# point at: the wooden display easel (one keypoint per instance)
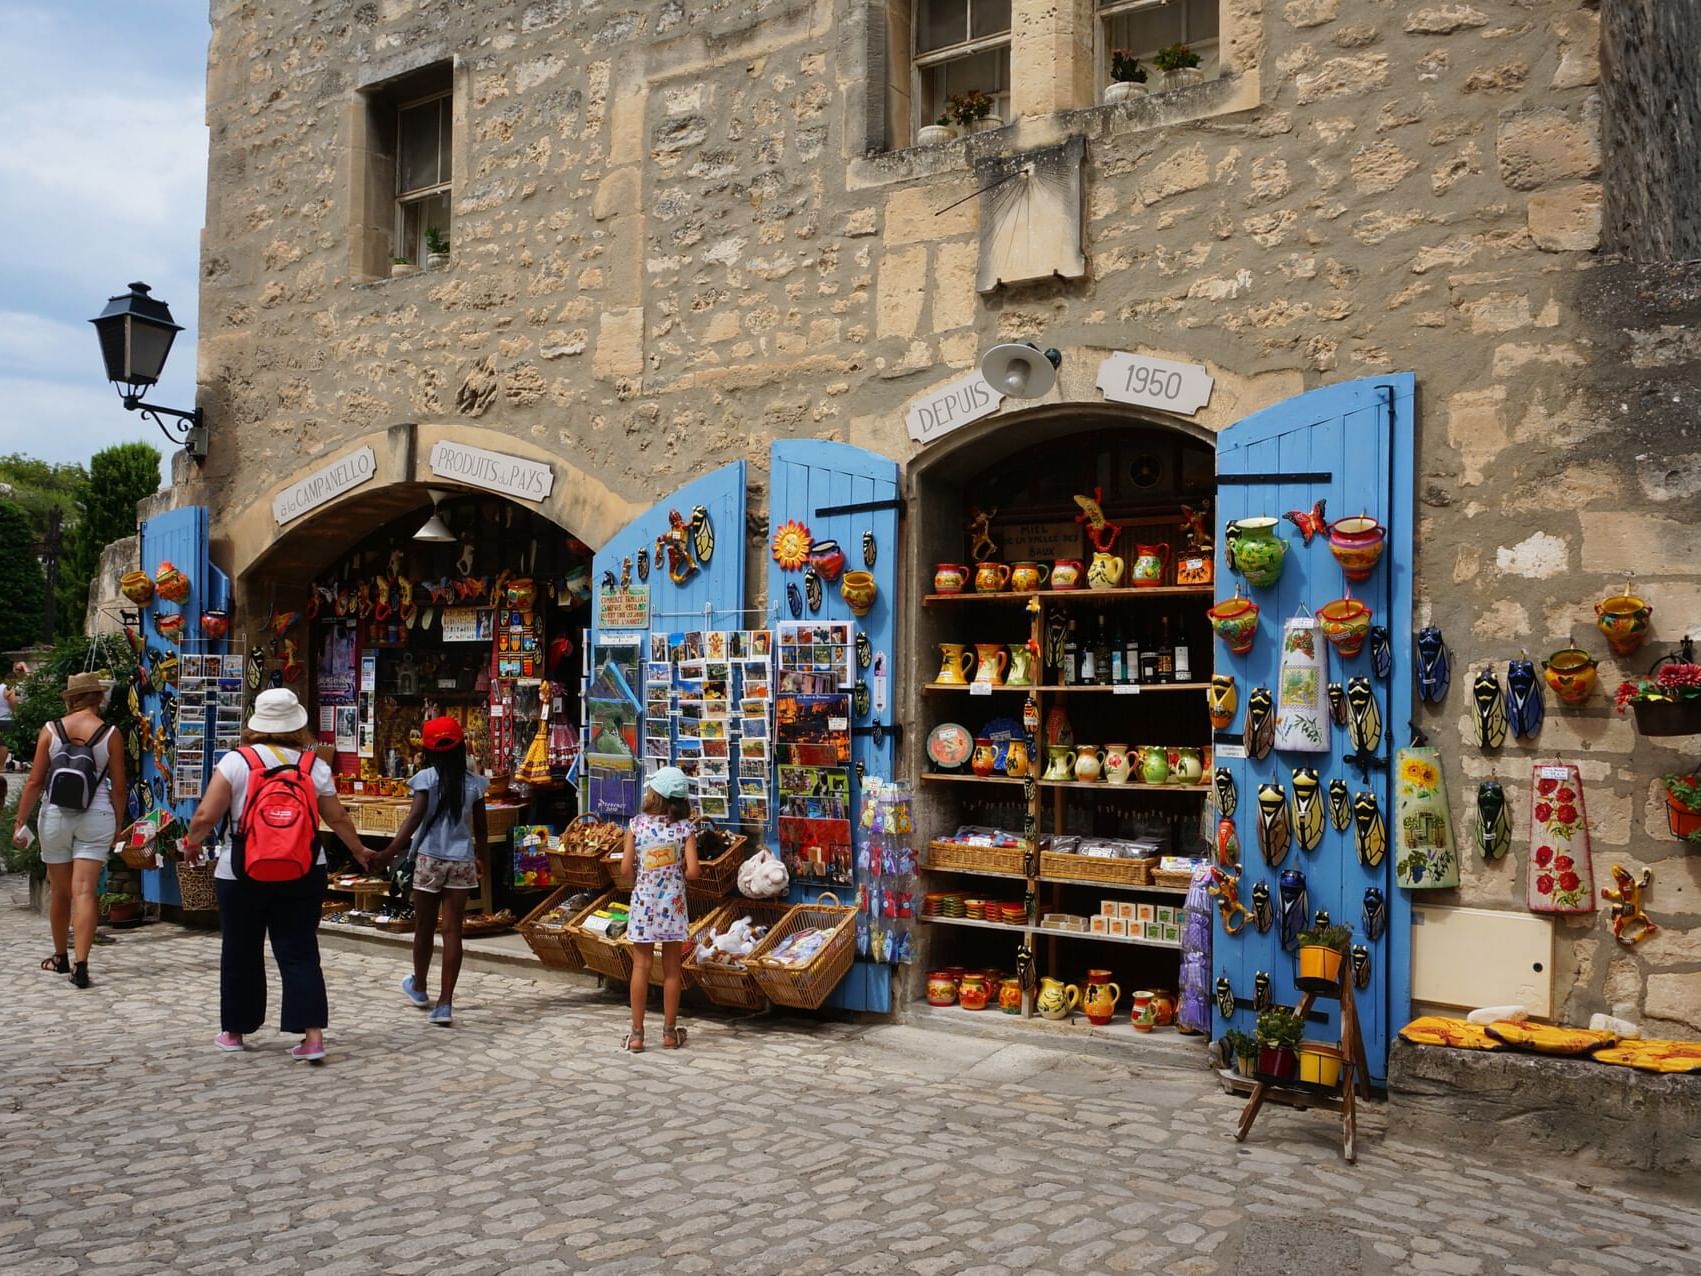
(1353, 1077)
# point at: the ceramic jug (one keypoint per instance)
(1060, 759)
(1118, 766)
(1021, 665)
(949, 578)
(1357, 544)
(1151, 565)
(1027, 577)
(955, 661)
(991, 578)
(1235, 621)
(1255, 551)
(1623, 621)
(1016, 759)
(991, 661)
(1056, 999)
(1139, 1009)
(1571, 674)
(1066, 573)
(941, 988)
(1187, 767)
(1105, 571)
(1099, 997)
(972, 992)
(1345, 622)
(1154, 765)
(1010, 996)
(984, 760)
(1087, 765)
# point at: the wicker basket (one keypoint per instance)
(381, 818)
(195, 885)
(607, 957)
(552, 945)
(1095, 870)
(734, 986)
(717, 877)
(658, 977)
(611, 870)
(577, 860)
(806, 987)
(396, 925)
(137, 857)
(1174, 879)
(963, 858)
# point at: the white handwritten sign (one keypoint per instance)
(951, 407)
(493, 471)
(1182, 388)
(341, 475)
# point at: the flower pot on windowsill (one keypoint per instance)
(400, 268)
(1667, 717)
(1183, 78)
(935, 135)
(1122, 91)
(987, 124)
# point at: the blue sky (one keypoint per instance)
(102, 180)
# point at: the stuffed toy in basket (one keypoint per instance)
(763, 877)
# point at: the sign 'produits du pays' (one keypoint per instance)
(327, 483)
(951, 407)
(493, 471)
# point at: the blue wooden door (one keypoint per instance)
(1350, 446)
(711, 597)
(843, 493)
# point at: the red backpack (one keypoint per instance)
(275, 838)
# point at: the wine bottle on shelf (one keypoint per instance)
(1071, 657)
(1166, 653)
(1131, 655)
(1148, 657)
(1183, 653)
(1101, 654)
(1118, 663)
(1088, 672)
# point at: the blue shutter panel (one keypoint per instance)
(1350, 445)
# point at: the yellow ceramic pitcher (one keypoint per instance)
(1056, 999)
(955, 661)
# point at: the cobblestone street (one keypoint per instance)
(523, 1141)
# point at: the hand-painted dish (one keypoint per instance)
(949, 744)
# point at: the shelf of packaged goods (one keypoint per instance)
(1053, 933)
(1086, 595)
(1196, 790)
(1060, 881)
(1124, 689)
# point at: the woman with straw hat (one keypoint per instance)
(276, 739)
(78, 767)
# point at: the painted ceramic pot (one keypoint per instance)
(991, 578)
(1623, 619)
(1060, 760)
(827, 559)
(1010, 996)
(1255, 551)
(1357, 544)
(1027, 577)
(1345, 622)
(941, 988)
(1139, 1009)
(170, 583)
(1118, 766)
(949, 578)
(137, 588)
(972, 992)
(1056, 999)
(1186, 767)
(1021, 665)
(1099, 997)
(1017, 761)
(1221, 700)
(955, 661)
(1571, 674)
(1161, 1009)
(991, 661)
(984, 761)
(1235, 621)
(1154, 765)
(1105, 571)
(170, 627)
(1066, 573)
(858, 590)
(1150, 567)
(1087, 764)
(215, 624)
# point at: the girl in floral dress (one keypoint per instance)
(663, 846)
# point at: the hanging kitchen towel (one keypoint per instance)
(1302, 723)
(1425, 857)
(1561, 879)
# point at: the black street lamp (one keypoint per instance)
(136, 332)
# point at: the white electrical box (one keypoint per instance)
(1470, 957)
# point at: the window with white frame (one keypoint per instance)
(1142, 27)
(961, 46)
(423, 175)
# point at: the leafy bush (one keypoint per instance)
(1280, 1027)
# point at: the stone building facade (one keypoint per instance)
(680, 230)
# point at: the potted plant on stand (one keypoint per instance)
(1320, 1064)
(1278, 1033)
(1243, 1049)
(1666, 701)
(1127, 77)
(972, 112)
(1180, 66)
(120, 907)
(941, 130)
(1683, 806)
(436, 249)
(1322, 950)
(400, 266)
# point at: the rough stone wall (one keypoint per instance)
(670, 247)
(1652, 128)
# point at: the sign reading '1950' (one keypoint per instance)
(493, 471)
(1182, 388)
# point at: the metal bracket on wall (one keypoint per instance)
(1270, 480)
(880, 731)
(861, 507)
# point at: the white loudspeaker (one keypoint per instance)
(1020, 369)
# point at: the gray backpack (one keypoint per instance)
(73, 773)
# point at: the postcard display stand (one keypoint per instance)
(708, 696)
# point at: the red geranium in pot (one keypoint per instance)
(1666, 701)
(1683, 806)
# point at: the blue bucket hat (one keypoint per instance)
(670, 782)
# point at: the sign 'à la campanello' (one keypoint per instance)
(324, 484)
(493, 471)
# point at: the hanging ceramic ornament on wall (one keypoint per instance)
(1361, 966)
(794, 601)
(1375, 915)
(1263, 911)
(1381, 651)
(1370, 833)
(1228, 845)
(1340, 805)
(1299, 717)
(702, 535)
(1273, 831)
(1489, 709)
(1434, 666)
(812, 589)
(1263, 996)
(1425, 858)
(1228, 797)
(1221, 700)
(1561, 878)
(1225, 997)
(1524, 707)
(1260, 731)
(870, 550)
(1308, 819)
(1295, 906)
(1364, 719)
(1494, 824)
(1337, 704)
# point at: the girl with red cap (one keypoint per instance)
(445, 827)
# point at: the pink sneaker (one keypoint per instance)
(231, 1041)
(307, 1053)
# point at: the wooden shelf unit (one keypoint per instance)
(1008, 596)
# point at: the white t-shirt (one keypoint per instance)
(235, 770)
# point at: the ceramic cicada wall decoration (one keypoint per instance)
(1263, 911)
(1494, 823)
(1488, 705)
(1370, 832)
(1340, 805)
(1295, 906)
(1308, 820)
(1274, 834)
(1434, 666)
(1524, 708)
(1364, 721)
(1260, 730)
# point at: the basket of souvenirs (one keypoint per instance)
(719, 962)
(547, 929)
(577, 859)
(803, 958)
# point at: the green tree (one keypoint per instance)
(23, 589)
(40, 488)
(119, 476)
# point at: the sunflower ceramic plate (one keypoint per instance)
(1547, 1039)
(1437, 1030)
(949, 744)
(1654, 1056)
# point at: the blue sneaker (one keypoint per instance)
(413, 994)
(442, 1016)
